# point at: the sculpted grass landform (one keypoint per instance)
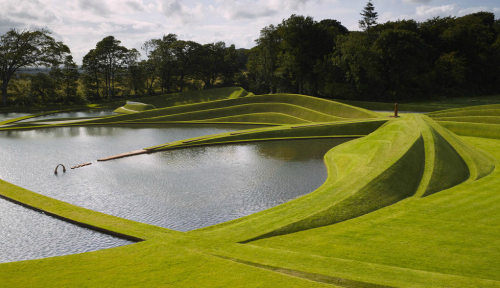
(411, 202)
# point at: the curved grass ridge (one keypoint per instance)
(408, 157)
(265, 117)
(198, 96)
(134, 107)
(349, 129)
(364, 175)
(306, 108)
(476, 121)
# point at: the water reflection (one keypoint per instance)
(180, 189)
(26, 234)
(74, 114)
(11, 115)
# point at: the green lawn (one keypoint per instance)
(407, 203)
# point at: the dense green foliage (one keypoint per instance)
(403, 60)
(27, 48)
(394, 61)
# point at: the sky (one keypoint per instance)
(80, 24)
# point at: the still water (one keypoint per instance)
(181, 189)
(74, 114)
(7, 116)
(27, 234)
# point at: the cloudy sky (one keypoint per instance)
(80, 24)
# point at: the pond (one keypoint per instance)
(181, 189)
(74, 114)
(27, 234)
(11, 115)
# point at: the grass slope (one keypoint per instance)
(409, 205)
(349, 129)
(453, 232)
(134, 107)
(476, 121)
(183, 98)
(309, 109)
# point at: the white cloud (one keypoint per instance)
(433, 11)
(248, 9)
(176, 10)
(417, 1)
(471, 10)
(95, 6)
(28, 11)
(107, 28)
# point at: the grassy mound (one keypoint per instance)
(267, 118)
(307, 108)
(475, 121)
(192, 97)
(482, 110)
(411, 156)
(349, 129)
(362, 178)
(295, 111)
(410, 204)
(390, 106)
(134, 107)
(473, 129)
(471, 119)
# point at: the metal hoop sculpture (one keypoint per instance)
(64, 168)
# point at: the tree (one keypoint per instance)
(69, 78)
(210, 58)
(230, 67)
(43, 88)
(111, 55)
(358, 65)
(27, 48)
(134, 72)
(405, 64)
(270, 41)
(91, 78)
(369, 17)
(184, 61)
(301, 48)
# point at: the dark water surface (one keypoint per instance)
(181, 189)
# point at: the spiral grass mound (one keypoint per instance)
(408, 202)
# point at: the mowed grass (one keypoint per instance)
(191, 97)
(297, 108)
(453, 232)
(406, 204)
(476, 121)
(134, 107)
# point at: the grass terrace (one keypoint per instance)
(409, 202)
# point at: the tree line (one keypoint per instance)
(393, 61)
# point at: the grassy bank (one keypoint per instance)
(406, 204)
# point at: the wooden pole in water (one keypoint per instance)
(64, 168)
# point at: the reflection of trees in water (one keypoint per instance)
(103, 131)
(290, 150)
(298, 150)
